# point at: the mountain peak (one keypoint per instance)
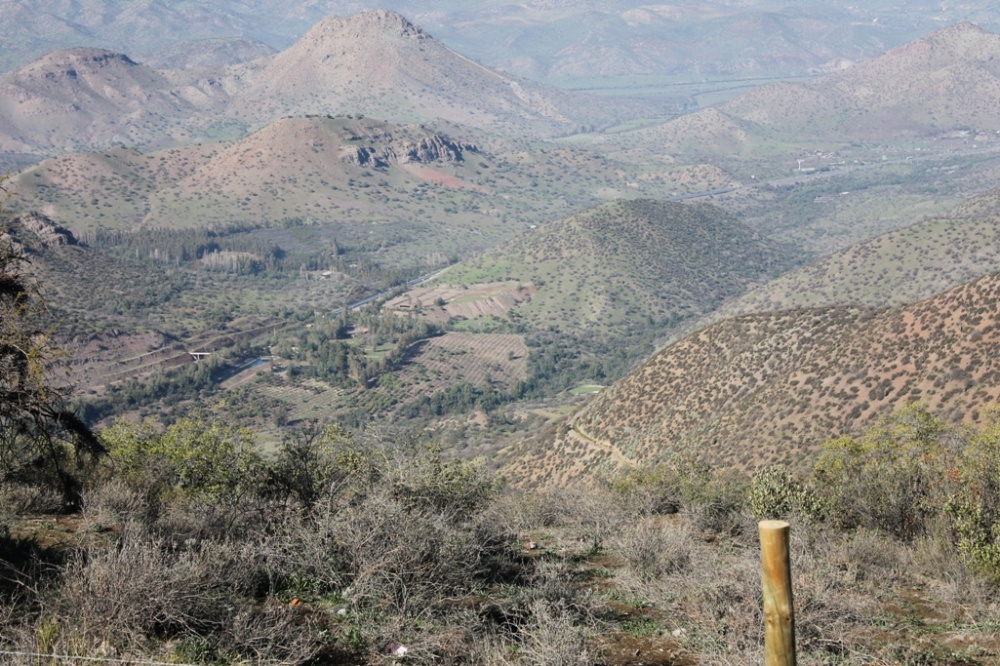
(368, 23)
(965, 40)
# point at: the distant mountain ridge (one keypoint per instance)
(86, 97)
(374, 63)
(945, 82)
(543, 40)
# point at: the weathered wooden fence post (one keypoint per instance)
(779, 616)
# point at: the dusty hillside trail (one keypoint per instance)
(615, 454)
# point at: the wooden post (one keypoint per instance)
(779, 616)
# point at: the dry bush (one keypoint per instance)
(403, 559)
(524, 511)
(554, 636)
(115, 503)
(144, 586)
(654, 548)
(594, 513)
(18, 499)
(722, 614)
(219, 518)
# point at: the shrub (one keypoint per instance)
(776, 492)
(975, 507)
(193, 457)
(127, 593)
(894, 478)
(653, 552)
(651, 489)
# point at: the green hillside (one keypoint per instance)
(629, 264)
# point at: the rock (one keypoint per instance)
(47, 231)
(382, 151)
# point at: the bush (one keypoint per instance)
(975, 507)
(191, 457)
(776, 492)
(126, 593)
(894, 478)
(653, 552)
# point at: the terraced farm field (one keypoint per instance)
(467, 357)
(442, 302)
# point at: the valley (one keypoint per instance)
(550, 285)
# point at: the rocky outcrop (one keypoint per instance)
(380, 152)
(48, 232)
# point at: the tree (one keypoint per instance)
(41, 441)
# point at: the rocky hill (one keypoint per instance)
(378, 63)
(295, 168)
(771, 387)
(91, 97)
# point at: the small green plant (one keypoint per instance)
(195, 650)
(47, 634)
(894, 478)
(975, 507)
(641, 627)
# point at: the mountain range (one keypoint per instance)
(943, 85)
(580, 41)
(374, 63)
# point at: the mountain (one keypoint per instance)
(936, 86)
(208, 53)
(572, 42)
(771, 387)
(899, 267)
(303, 168)
(629, 263)
(86, 97)
(407, 189)
(378, 63)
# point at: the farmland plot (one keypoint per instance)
(467, 357)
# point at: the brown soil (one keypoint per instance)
(620, 649)
(477, 300)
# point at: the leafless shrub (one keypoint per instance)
(522, 512)
(215, 518)
(593, 512)
(22, 498)
(143, 586)
(402, 558)
(653, 549)
(115, 503)
(555, 637)
(269, 633)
